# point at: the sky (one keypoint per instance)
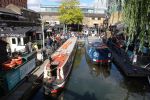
(35, 4)
(56, 2)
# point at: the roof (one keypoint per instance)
(14, 8)
(5, 10)
(94, 15)
(18, 9)
(17, 31)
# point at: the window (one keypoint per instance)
(13, 41)
(19, 41)
(25, 40)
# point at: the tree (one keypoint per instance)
(136, 17)
(70, 13)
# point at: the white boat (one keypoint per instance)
(56, 72)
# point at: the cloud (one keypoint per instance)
(34, 5)
(83, 4)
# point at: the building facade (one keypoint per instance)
(20, 3)
(92, 16)
(115, 11)
(18, 26)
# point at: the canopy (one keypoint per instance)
(14, 32)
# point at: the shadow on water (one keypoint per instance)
(136, 85)
(97, 69)
(76, 96)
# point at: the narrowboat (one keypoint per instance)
(133, 61)
(97, 51)
(56, 71)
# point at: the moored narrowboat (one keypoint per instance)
(97, 51)
(56, 72)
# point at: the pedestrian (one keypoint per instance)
(27, 48)
(9, 51)
(30, 46)
(35, 47)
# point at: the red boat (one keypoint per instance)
(57, 70)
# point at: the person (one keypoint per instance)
(48, 41)
(35, 47)
(50, 59)
(26, 48)
(9, 50)
(30, 46)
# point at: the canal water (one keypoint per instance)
(91, 82)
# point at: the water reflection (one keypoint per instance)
(136, 85)
(100, 82)
(76, 96)
(96, 70)
(78, 57)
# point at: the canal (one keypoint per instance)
(91, 82)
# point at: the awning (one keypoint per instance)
(14, 32)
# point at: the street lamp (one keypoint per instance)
(43, 35)
(43, 39)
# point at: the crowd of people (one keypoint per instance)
(53, 42)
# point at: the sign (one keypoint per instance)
(27, 68)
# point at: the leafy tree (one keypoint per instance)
(136, 17)
(70, 13)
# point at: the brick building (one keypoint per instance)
(20, 3)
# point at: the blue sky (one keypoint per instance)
(35, 4)
(56, 2)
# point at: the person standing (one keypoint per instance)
(9, 51)
(30, 46)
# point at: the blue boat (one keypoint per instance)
(97, 51)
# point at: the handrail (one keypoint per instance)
(147, 66)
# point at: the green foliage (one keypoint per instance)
(136, 18)
(70, 13)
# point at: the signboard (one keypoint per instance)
(27, 68)
(12, 78)
(15, 76)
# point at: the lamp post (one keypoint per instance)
(43, 35)
(43, 39)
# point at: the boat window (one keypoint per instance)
(91, 50)
(19, 41)
(25, 40)
(54, 68)
(13, 41)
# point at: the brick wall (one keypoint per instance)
(20, 3)
(115, 18)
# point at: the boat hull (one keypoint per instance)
(59, 87)
(99, 54)
(122, 61)
(98, 61)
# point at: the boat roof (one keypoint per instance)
(62, 54)
(96, 43)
